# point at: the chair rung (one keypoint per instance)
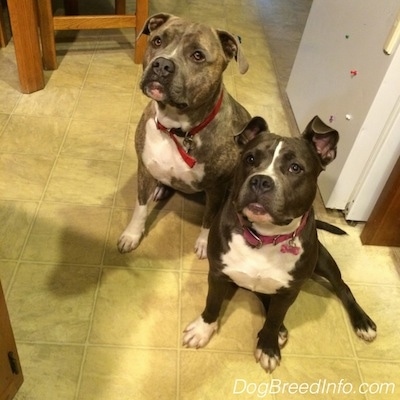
(94, 22)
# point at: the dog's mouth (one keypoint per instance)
(156, 91)
(256, 212)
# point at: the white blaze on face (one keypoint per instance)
(271, 169)
(271, 172)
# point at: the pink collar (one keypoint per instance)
(256, 240)
(188, 136)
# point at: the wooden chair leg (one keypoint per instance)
(47, 34)
(3, 33)
(26, 43)
(120, 7)
(142, 11)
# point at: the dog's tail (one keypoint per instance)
(330, 228)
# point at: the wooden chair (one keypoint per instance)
(50, 23)
(3, 33)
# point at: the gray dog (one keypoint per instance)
(184, 139)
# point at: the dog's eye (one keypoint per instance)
(156, 41)
(250, 159)
(295, 168)
(198, 56)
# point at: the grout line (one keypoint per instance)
(89, 330)
(180, 329)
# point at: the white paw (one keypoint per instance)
(132, 234)
(267, 362)
(198, 333)
(368, 335)
(200, 246)
(128, 242)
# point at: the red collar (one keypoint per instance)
(188, 136)
(256, 240)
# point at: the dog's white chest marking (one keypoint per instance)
(162, 159)
(263, 270)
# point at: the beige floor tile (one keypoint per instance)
(130, 152)
(101, 104)
(320, 378)
(352, 258)
(10, 92)
(121, 41)
(7, 269)
(160, 247)
(89, 182)
(28, 174)
(3, 120)
(100, 140)
(217, 375)
(73, 44)
(115, 68)
(51, 101)
(9, 96)
(126, 374)
(381, 379)
(139, 102)
(267, 91)
(65, 233)
(127, 185)
(72, 70)
(316, 324)
(136, 308)
(276, 119)
(191, 229)
(16, 218)
(50, 371)
(51, 303)
(382, 303)
(190, 261)
(33, 135)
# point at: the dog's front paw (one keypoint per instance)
(200, 246)
(366, 329)
(198, 333)
(128, 242)
(269, 359)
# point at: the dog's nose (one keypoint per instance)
(261, 183)
(163, 67)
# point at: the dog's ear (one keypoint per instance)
(154, 22)
(232, 49)
(323, 138)
(252, 129)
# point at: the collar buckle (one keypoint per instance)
(275, 240)
(259, 242)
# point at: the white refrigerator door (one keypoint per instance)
(338, 72)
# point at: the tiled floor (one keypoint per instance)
(93, 324)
